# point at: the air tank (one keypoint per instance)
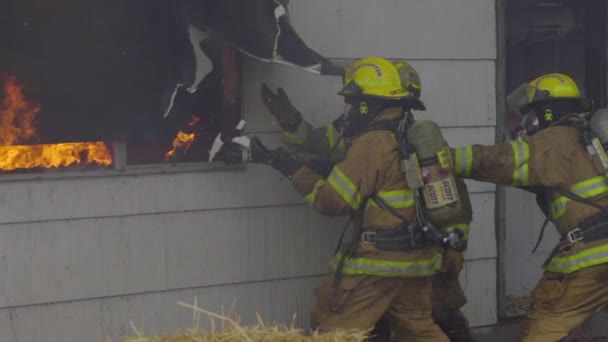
(599, 125)
(597, 141)
(445, 197)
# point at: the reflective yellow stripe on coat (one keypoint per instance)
(521, 168)
(332, 135)
(586, 189)
(463, 161)
(342, 185)
(397, 199)
(299, 136)
(386, 268)
(310, 198)
(575, 262)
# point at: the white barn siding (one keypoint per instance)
(89, 254)
(80, 257)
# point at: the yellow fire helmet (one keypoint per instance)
(549, 87)
(380, 78)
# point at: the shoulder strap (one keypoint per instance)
(540, 235)
(358, 220)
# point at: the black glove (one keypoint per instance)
(321, 167)
(280, 159)
(259, 153)
(233, 153)
(281, 108)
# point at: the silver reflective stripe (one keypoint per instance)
(559, 209)
(521, 159)
(586, 189)
(461, 160)
(578, 262)
(344, 187)
(594, 186)
(398, 198)
(385, 268)
(463, 163)
(410, 271)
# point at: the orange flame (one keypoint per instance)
(183, 140)
(17, 126)
(17, 115)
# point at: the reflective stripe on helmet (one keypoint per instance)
(299, 136)
(575, 262)
(397, 199)
(463, 161)
(389, 268)
(521, 168)
(586, 189)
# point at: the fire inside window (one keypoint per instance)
(18, 137)
(189, 132)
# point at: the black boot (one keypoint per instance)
(455, 325)
(382, 331)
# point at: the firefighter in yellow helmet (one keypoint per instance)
(553, 160)
(310, 143)
(388, 266)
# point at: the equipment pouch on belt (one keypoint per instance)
(403, 237)
(420, 233)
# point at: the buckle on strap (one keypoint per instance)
(368, 237)
(575, 235)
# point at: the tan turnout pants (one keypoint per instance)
(447, 292)
(360, 301)
(562, 302)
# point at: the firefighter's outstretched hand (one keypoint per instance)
(280, 159)
(259, 153)
(281, 108)
(233, 153)
(321, 166)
